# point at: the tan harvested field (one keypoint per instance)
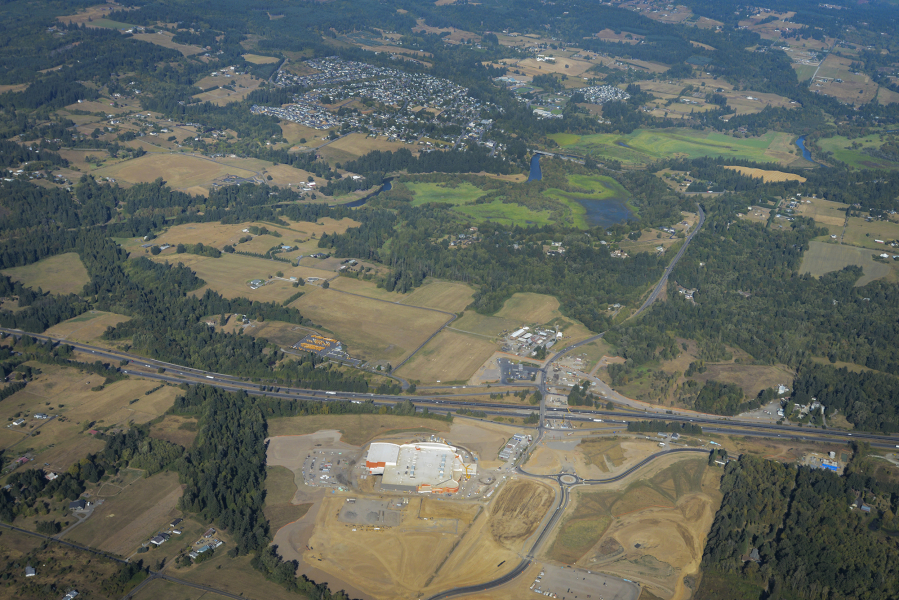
(294, 133)
(260, 60)
(370, 329)
(862, 233)
(160, 588)
(885, 96)
(440, 295)
(752, 378)
(91, 13)
(767, 176)
(825, 212)
(526, 309)
(235, 576)
(455, 35)
(87, 327)
(301, 234)
(451, 356)
(122, 522)
(176, 429)
(652, 531)
(60, 274)
(242, 84)
(230, 275)
(15, 87)
(824, 258)
(67, 392)
(355, 430)
(180, 170)
(357, 144)
(531, 67)
(164, 39)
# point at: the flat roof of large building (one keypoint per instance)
(422, 466)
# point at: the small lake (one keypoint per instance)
(600, 212)
(800, 143)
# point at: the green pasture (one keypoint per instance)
(857, 158)
(505, 214)
(644, 146)
(462, 193)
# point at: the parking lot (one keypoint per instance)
(327, 468)
(512, 373)
(566, 583)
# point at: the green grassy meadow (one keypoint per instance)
(463, 193)
(505, 214)
(856, 158)
(644, 146)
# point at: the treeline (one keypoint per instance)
(867, 399)
(13, 154)
(809, 546)
(665, 426)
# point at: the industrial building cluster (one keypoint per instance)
(432, 467)
(524, 341)
(430, 101)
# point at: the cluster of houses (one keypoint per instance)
(208, 543)
(431, 98)
(600, 94)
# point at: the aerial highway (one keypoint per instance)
(139, 366)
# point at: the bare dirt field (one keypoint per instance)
(768, 176)
(260, 60)
(451, 356)
(485, 439)
(60, 274)
(121, 523)
(517, 511)
(589, 457)
(87, 327)
(354, 430)
(652, 531)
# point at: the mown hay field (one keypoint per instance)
(766, 175)
(451, 357)
(60, 274)
(646, 145)
(824, 258)
(370, 329)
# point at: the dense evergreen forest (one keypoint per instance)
(809, 544)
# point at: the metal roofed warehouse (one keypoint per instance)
(426, 467)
